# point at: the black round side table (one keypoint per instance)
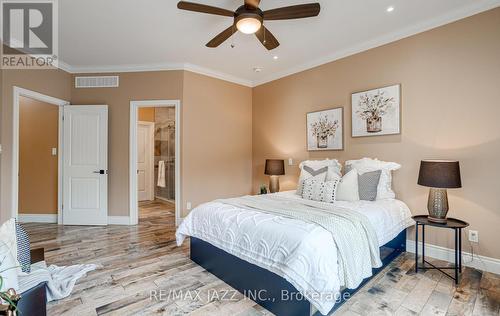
(451, 223)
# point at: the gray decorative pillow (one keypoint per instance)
(23, 248)
(367, 185)
(322, 191)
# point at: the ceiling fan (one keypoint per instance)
(249, 19)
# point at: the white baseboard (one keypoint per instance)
(118, 220)
(446, 254)
(37, 218)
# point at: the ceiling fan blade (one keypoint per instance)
(252, 3)
(221, 37)
(293, 12)
(267, 38)
(197, 7)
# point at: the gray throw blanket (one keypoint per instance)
(354, 236)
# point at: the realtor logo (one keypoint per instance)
(29, 34)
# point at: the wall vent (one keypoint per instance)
(97, 82)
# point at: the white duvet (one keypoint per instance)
(303, 253)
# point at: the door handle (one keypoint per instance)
(100, 171)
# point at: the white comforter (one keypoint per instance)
(303, 253)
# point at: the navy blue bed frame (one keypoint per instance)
(265, 287)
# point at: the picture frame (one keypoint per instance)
(376, 112)
(325, 130)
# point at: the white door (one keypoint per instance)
(85, 167)
(145, 161)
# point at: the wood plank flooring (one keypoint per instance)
(141, 264)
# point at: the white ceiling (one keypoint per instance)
(128, 35)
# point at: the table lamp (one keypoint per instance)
(274, 169)
(439, 175)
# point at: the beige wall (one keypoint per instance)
(55, 83)
(216, 139)
(146, 114)
(38, 134)
(212, 112)
(158, 85)
(450, 80)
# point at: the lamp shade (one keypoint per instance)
(275, 167)
(443, 174)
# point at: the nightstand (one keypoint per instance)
(452, 223)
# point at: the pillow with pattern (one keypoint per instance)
(367, 184)
(307, 173)
(23, 248)
(321, 191)
(384, 188)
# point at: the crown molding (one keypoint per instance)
(154, 67)
(477, 7)
(218, 75)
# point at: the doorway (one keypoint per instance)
(81, 153)
(36, 160)
(154, 159)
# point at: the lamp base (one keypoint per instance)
(437, 220)
(274, 184)
(437, 205)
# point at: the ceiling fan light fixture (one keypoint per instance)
(248, 25)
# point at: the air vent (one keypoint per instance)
(97, 82)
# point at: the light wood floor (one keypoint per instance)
(144, 258)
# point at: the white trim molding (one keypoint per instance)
(133, 199)
(37, 218)
(442, 253)
(118, 220)
(17, 93)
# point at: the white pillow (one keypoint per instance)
(384, 188)
(347, 188)
(8, 255)
(322, 191)
(334, 167)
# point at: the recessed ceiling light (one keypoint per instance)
(257, 69)
(390, 9)
(275, 57)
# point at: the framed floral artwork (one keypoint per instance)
(376, 112)
(325, 130)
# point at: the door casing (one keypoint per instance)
(17, 93)
(134, 107)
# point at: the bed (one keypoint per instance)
(287, 265)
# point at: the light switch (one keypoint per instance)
(290, 161)
(54, 151)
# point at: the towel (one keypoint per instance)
(161, 174)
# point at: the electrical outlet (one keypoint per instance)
(54, 151)
(188, 205)
(473, 236)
